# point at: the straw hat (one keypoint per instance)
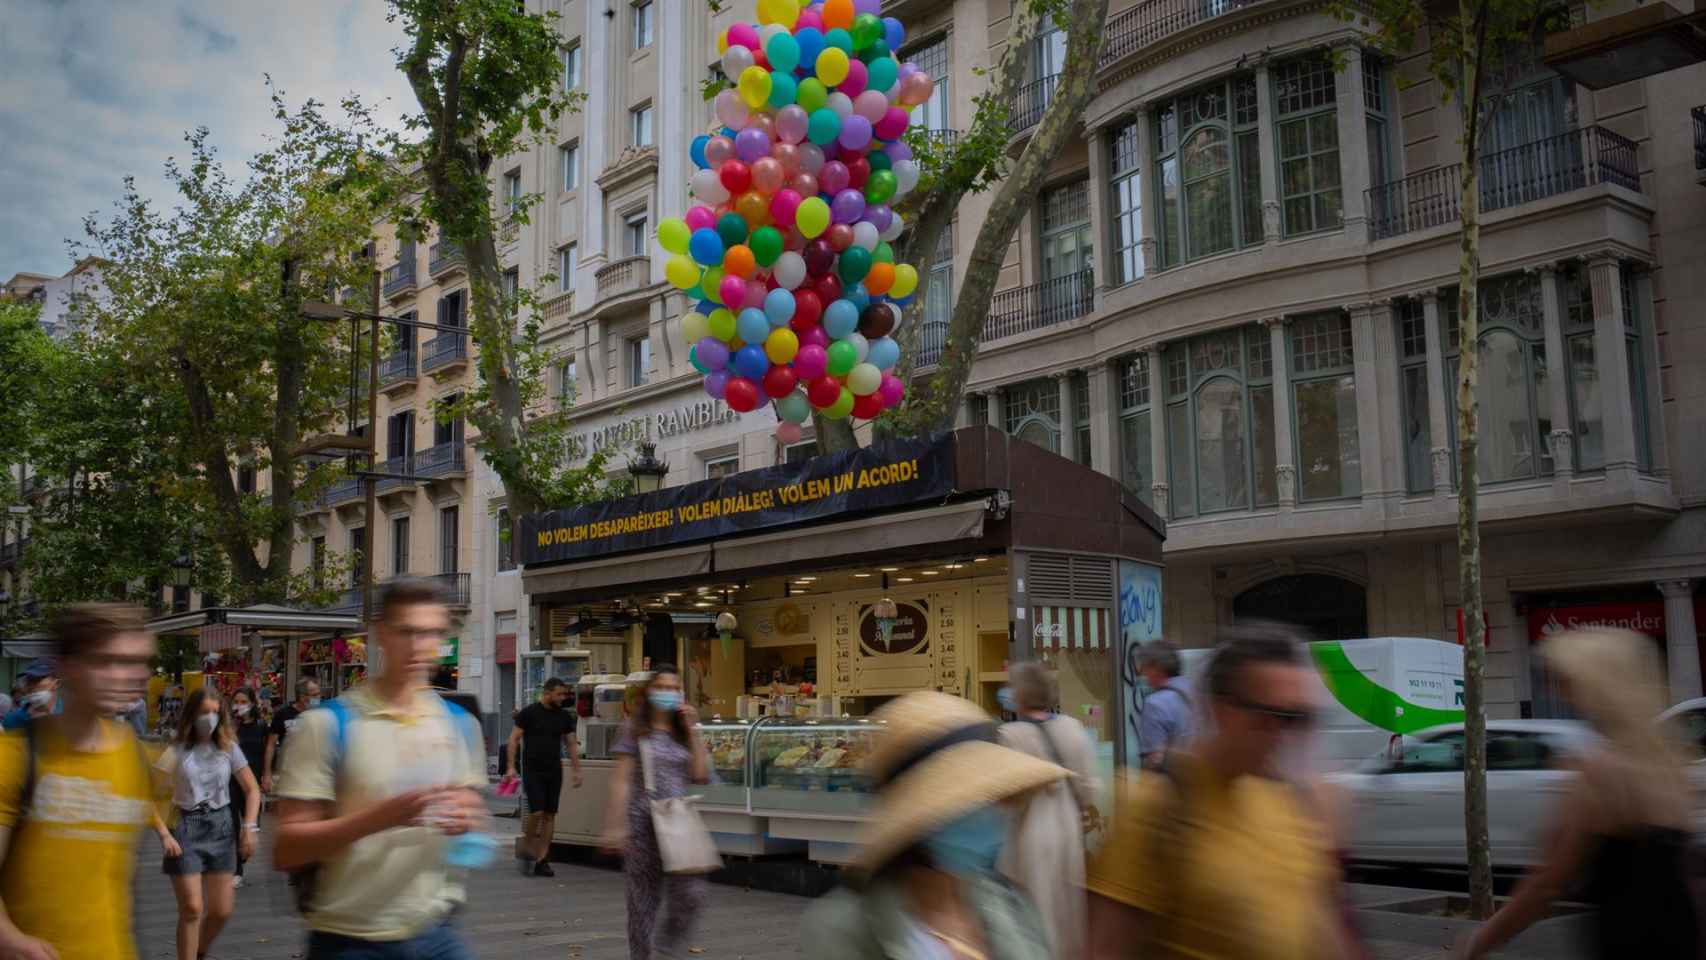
(936, 761)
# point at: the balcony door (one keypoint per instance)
(449, 527)
(1068, 251)
(1523, 153)
(400, 434)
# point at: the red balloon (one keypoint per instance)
(741, 395)
(808, 310)
(858, 171)
(867, 406)
(819, 256)
(795, 240)
(736, 177)
(823, 392)
(779, 381)
(840, 236)
(828, 288)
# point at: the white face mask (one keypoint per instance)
(39, 698)
(206, 724)
(241, 709)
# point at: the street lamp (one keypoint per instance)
(181, 568)
(648, 471)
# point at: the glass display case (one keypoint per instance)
(812, 765)
(727, 742)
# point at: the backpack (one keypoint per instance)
(303, 880)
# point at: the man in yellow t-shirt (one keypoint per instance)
(1214, 858)
(69, 821)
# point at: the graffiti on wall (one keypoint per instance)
(1140, 623)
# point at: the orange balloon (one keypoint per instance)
(739, 261)
(753, 208)
(878, 281)
(838, 13)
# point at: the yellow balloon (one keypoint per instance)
(695, 326)
(755, 87)
(722, 42)
(832, 66)
(781, 345)
(905, 280)
(784, 12)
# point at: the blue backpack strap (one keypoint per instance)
(461, 717)
(340, 733)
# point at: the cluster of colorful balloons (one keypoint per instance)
(786, 251)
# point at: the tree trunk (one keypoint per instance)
(1468, 491)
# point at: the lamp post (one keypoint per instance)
(181, 568)
(648, 471)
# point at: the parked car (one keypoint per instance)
(1691, 716)
(1407, 801)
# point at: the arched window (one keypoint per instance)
(1322, 605)
(1511, 389)
(1033, 413)
(1220, 417)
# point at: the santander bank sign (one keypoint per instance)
(1646, 617)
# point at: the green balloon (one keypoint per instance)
(884, 253)
(812, 95)
(722, 322)
(878, 48)
(855, 263)
(732, 228)
(693, 358)
(842, 358)
(794, 407)
(880, 187)
(766, 245)
(842, 406)
(879, 160)
(881, 73)
(866, 30)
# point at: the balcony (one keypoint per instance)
(400, 276)
(397, 371)
(1030, 103)
(559, 308)
(441, 461)
(347, 601)
(454, 587)
(1699, 114)
(444, 351)
(342, 493)
(32, 485)
(932, 339)
(444, 258)
(401, 464)
(1045, 304)
(1155, 20)
(1533, 171)
(623, 276)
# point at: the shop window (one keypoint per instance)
(1307, 129)
(1220, 440)
(1137, 461)
(1033, 413)
(1323, 389)
(1326, 607)
(1207, 171)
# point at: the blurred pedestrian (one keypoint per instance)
(75, 793)
(1169, 710)
(373, 789)
(1215, 856)
(1045, 853)
(284, 721)
(948, 795)
(1622, 832)
(203, 847)
(660, 743)
(40, 692)
(251, 739)
(543, 731)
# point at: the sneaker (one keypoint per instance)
(527, 865)
(543, 870)
(237, 882)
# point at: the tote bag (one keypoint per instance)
(684, 843)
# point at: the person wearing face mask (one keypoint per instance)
(663, 736)
(926, 885)
(284, 721)
(203, 848)
(39, 693)
(251, 739)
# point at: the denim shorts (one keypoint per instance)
(209, 842)
(440, 942)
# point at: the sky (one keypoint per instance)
(94, 90)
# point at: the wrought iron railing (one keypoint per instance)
(932, 339)
(440, 460)
(1039, 305)
(1522, 174)
(400, 365)
(1699, 114)
(622, 276)
(400, 276)
(344, 491)
(1154, 20)
(443, 257)
(403, 465)
(454, 587)
(1031, 102)
(443, 350)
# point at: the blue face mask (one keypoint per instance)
(1004, 697)
(970, 844)
(666, 700)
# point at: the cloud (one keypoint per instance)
(92, 91)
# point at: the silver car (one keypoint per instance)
(1407, 802)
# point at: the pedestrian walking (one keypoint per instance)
(1044, 855)
(284, 721)
(1169, 713)
(75, 793)
(1622, 832)
(203, 847)
(1215, 856)
(40, 692)
(251, 739)
(379, 798)
(660, 747)
(542, 732)
(927, 887)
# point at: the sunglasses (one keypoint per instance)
(1284, 717)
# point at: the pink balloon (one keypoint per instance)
(788, 156)
(717, 150)
(890, 391)
(811, 158)
(784, 205)
(744, 34)
(890, 127)
(806, 184)
(733, 291)
(767, 175)
(871, 105)
(812, 360)
(787, 433)
(731, 110)
(815, 337)
(857, 77)
(755, 291)
(765, 124)
(701, 218)
(916, 89)
(791, 125)
(811, 16)
(834, 177)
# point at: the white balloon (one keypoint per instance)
(905, 177)
(735, 59)
(811, 158)
(695, 327)
(790, 270)
(896, 225)
(841, 103)
(865, 235)
(861, 346)
(707, 186)
(766, 32)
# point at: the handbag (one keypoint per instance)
(684, 842)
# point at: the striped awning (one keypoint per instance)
(1069, 628)
(216, 637)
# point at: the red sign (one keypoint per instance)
(1463, 630)
(1644, 616)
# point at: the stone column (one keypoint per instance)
(595, 151)
(1101, 237)
(995, 407)
(1439, 428)
(1561, 439)
(673, 119)
(1370, 415)
(1285, 444)
(1103, 381)
(1682, 644)
(1147, 243)
(589, 379)
(1353, 139)
(1647, 323)
(963, 418)
(1270, 154)
(1611, 358)
(1157, 429)
(1068, 429)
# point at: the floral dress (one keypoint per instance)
(648, 886)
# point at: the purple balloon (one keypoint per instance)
(717, 383)
(879, 215)
(898, 151)
(872, 7)
(815, 337)
(855, 132)
(906, 69)
(713, 354)
(847, 207)
(752, 144)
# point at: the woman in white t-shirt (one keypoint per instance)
(202, 848)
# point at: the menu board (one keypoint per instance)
(948, 675)
(843, 639)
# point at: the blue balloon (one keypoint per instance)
(860, 297)
(729, 132)
(893, 33)
(705, 306)
(706, 247)
(811, 44)
(902, 301)
(884, 353)
(752, 325)
(697, 150)
(779, 306)
(750, 362)
(840, 319)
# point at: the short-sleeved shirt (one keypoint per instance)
(671, 768)
(283, 722)
(252, 737)
(390, 885)
(1169, 717)
(201, 775)
(542, 732)
(1242, 870)
(68, 869)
